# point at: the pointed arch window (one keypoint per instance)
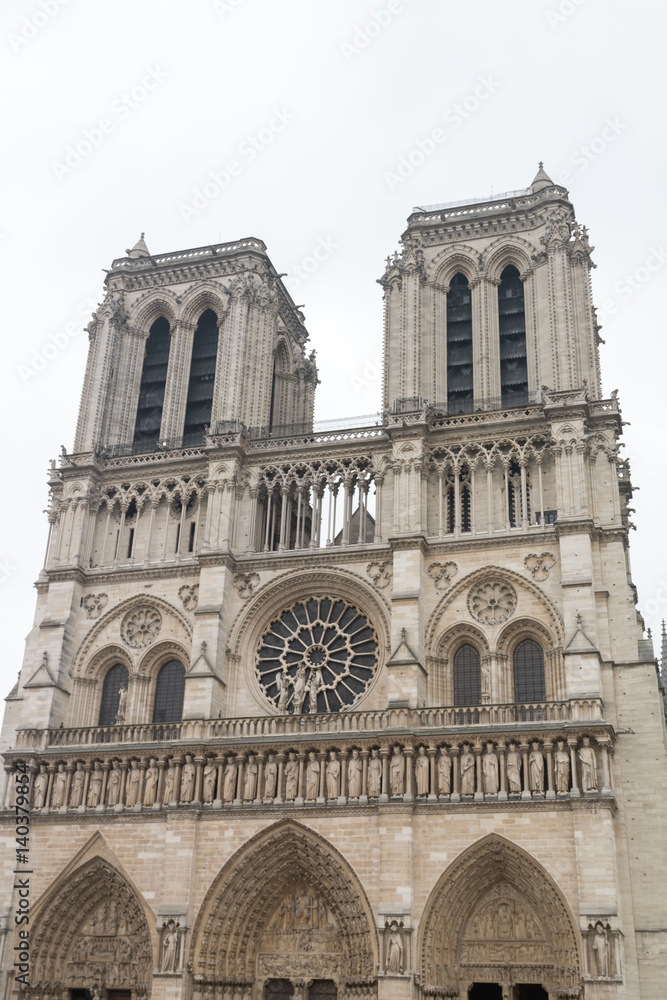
(459, 346)
(512, 326)
(151, 390)
(169, 692)
(529, 684)
(467, 676)
(115, 676)
(199, 405)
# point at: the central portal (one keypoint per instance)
(485, 991)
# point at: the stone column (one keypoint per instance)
(574, 790)
(432, 795)
(549, 747)
(502, 794)
(479, 789)
(342, 798)
(456, 775)
(526, 793)
(384, 755)
(363, 798)
(278, 801)
(299, 800)
(199, 778)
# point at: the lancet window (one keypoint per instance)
(115, 676)
(169, 692)
(528, 661)
(512, 329)
(459, 347)
(151, 390)
(202, 378)
(467, 676)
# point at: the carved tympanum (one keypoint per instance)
(302, 937)
(492, 602)
(141, 626)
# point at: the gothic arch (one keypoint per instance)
(247, 892)
(206, 295)
(453, 260)
(507, 250)
(152, 306)
(496, 915)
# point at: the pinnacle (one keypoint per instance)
(139, 249)
(541, 179)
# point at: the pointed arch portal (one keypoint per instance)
(496, 917)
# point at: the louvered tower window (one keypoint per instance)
(459, 346)
(512, 322)
(202, 378)
(529, 672)
(169, 692)
(151, 391)
(467, 676)
(116, 676)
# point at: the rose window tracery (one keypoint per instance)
(492, 602)
(318, 655)
(141, 627)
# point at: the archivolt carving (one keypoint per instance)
(251, 904)
(451, 260)
(458, 634)
(508, 250)
(497, 907)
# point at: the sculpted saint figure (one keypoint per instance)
(333, 776)
(490, 770)
(41, 785)
(562, 767)
(394, 950)
(132, 791)
(536, 768)
(270, 777)
(315, 682)
(150, 785)
(601, 950)
(586, 755)
(95, 785)
(122, 705)
(113, 784)
(312, 776)
(283, 685)
(209, 779)
(169, 784)
(250, 790)
(299, 695)
(229, 785)
(169, 948)
(397, 772)
(374, 775)
(59, 787)
(444, 773)
(467, 771)
(76, 791)
(188, 780)
(422, 771)
(291, 776)
(354, 769)
(486, 682)
(514, 768)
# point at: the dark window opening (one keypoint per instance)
(130, 543)
(116, 676)
(169, 692)
(278, 989)
(459, 347)
(151, 391)
(178, 537)
(202, 378)
(514, 494)
(323, 989)
(512, 326)
(467, 676)
(191, 543)
(485, 991)
(529, 684)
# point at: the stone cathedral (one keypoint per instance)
(346, 712)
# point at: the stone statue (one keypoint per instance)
(312, 776)
(601, 950)
(150, 786)
(291, 776)
(209, 779)
(250, 789)
(374, 775)
(394, 955)
(333, 776)
(188, 780)
(76, 791)
(95, 785)
(59, 787)
(514, 769)
(444, 773)
(270, 777)
(229, 784)
(467, 771)
(113, 785)
(41, 786)
(132, 791)
(283, 685)
(354, 774)
(422, 768)
(170, 777)
(536, 768)
(299, 695)
(122, 705)
(170, 946)
(562, 767)
(486, 681)
(397, 772)
(490, 770)
(315, 682)
(589, 778)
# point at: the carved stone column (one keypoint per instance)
(101, 806)
(278, 801)
(87, 768)
(479, 784)
(299, 800)
(456, 775)
(526, 793)
(502, 794)
(432, 795)
(605, 746)
(178, 764)
(257, 801)
(162, 763)
(575, 793)
(240, 760)
(549, 747)
(363, 798)
(384, 755)
(199, 778)
(342, 798)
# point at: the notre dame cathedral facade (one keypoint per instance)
(348, 713)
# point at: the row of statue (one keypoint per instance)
(505, 770)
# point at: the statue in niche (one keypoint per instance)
(229, 784)
(397, 772)
(374, 775)
(41, 786)
(601, 950)
(588, 763)
(504, 921)
(151, 781)
(490, 770)
(536, 768)
(315, 682)
(354, 775)
(444, 773)
(422, 769)
(59, 787)
(291, 776)
(170, 777)
(333, 776)
(467, 771)
(299, 695)
(133, 780)
(113, 787)
(188, 780)
(270, 777)
(486, 681)
(250, 790)
(210, 771)
(76, 791)
(514, 769)
(283, 685)
(312, 776)
(122, 706)
(562, 767)
(394, 953)
(95, 786)
(170, 945)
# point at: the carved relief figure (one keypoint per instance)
(536, 768)
(170, 946)
(586, 755)
(133, 779)
(601, 950)
(562, 767)
(150, 786)
(374, 775)
(397, 772)
(333, 776)
(486, 681)
(291, 776)
(354, 772)
(315, 682)
(270, 777)
(113, 785)
(229, 784)
(490, 770)
(394, 960)
(41, 785)
(76, 792)
(299, 695)
(209, 779)
(122, 705)
(467, 771)
(188, 780)
(312, 776)
(514, 768)
(422, 771)
(95, 786)
(283, 685)
(250, 790)
(170, 777)
(444, 773)
(59, 787)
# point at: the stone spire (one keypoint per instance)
(139, 249)
(541, 179)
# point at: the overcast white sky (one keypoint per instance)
(337, 93)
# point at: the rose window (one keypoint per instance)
(492, 602)
(141, 627)
(319, 655)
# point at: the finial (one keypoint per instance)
(649, 633)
